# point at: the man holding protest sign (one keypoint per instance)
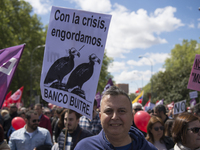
(74, 132)
(116, 119)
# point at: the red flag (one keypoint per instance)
(16, 97)
(9, 60)
(170, 106)
(5, 103)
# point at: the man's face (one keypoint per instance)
(116, 115)
(48, 114)
(13, 109)
(72, 122)
(38, 109)
(136, 109)
(157, 113)
(33, 122)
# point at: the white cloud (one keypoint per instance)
(199, 25)
(128, 76)
(117, 67)
(94, 5)
(40, 6)
(150, 59)
(191, 25)
(130, 30)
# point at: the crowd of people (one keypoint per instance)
(112, 127)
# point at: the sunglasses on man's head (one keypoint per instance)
(34, 120)
(194, 130)
(157, 128)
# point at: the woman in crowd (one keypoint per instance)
(185, 132)
(155, 134)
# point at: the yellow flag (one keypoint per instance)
(136, 99)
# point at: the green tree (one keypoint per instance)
(171, 85)
(17, 26)
(104, 74)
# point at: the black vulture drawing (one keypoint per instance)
(60, 68)
(81, 74)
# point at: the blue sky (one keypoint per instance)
(149, 28)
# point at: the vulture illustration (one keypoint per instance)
(60, 68)
(81, 74)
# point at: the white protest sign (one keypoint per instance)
(73, 57)
(193, 94)
(179, 107)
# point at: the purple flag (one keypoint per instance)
(109, 84)
(98, 99)
(9, 59)
(193, 102)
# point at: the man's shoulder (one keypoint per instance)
(44, 117)
(41, 129)
(18, 133)
(86, 132)
(91, 142)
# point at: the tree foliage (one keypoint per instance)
(171, 85)
(104, 74)
(17, 26)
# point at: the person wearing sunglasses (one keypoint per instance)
(30, 136)
(155, 134)
(186, 132)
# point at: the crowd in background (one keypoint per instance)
(164, 130)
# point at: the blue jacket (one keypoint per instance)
(99, 142)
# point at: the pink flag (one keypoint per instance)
(160, 102)
(16, 97)
(193, 102)
(9, 60)
(170, 106)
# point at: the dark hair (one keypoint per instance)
(61, 124)
(38, 104)
(59, 110)
(152, 121)
(180, 125)
(21, 113)
(115, 91)
(29, 113)
(168, 127)
(160, 108)
(196, 108)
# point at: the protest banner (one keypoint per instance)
(73, 57)
(193, 94)
(194, 80)
(9, 60)
(179, 107)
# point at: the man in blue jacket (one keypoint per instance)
(116, 120)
